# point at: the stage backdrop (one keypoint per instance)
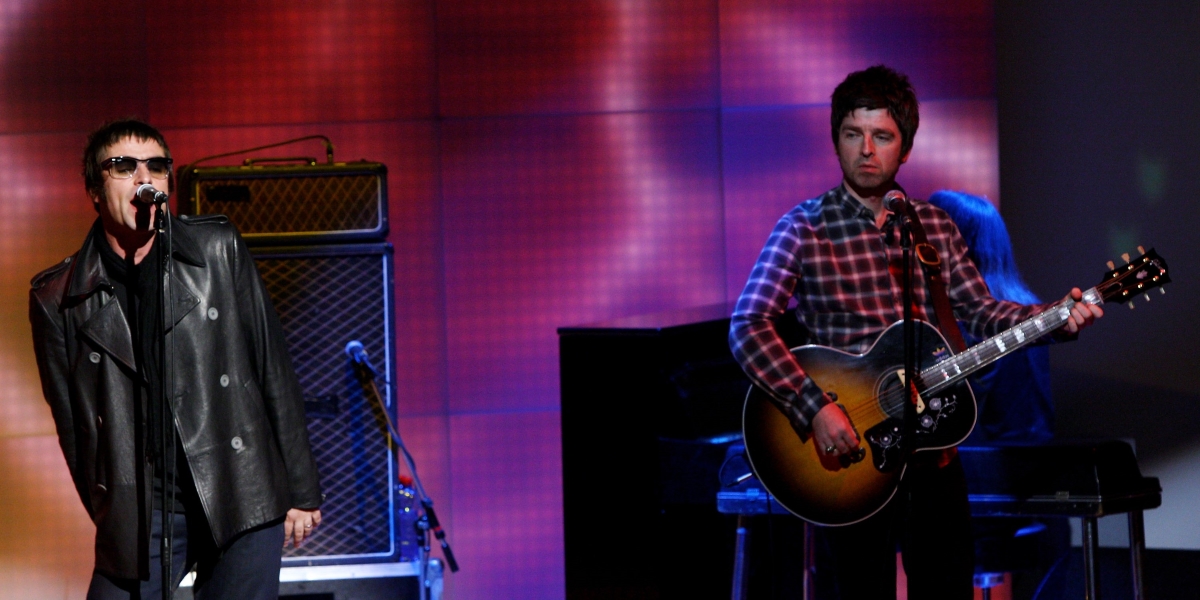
(550, 163)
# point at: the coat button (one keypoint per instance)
(101, 488)
(236, 442)
(94, 357)
(99, 421)
(212, 314)
(224, 381)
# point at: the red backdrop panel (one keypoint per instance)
(229, 63)
(70, 65)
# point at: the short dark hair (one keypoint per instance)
(109, 134)
(877, 87)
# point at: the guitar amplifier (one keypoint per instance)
(292, 204)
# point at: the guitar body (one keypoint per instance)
(840, 490)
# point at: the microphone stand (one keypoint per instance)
(428, 521)
(166, 430)
(909, 328)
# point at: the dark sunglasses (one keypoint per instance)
(123, 167)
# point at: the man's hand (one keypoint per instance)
(1082, 314)
(832, 429)
(299, 524)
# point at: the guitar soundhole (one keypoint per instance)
(890, 392)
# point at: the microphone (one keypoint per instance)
(148, 195)
(358, 354)
(895, 201)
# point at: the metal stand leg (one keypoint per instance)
(809, 591)
(1137, 550)
(739, 558)
(1091, 547)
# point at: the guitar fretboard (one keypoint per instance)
(950, 371)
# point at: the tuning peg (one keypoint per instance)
(1125, 257)
(1141, 250)
(1162, 290)
(1146, 296)
(1111, 265)
(1131, 305)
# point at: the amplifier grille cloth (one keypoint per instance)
(309, 204)
(324, 302)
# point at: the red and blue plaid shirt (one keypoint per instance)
(828, 254)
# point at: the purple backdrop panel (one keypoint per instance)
(556, 221)
(407, 148)
(774, 160)
(796, 51)
(70, 65)
(507, 474)
(231, 63)
(539, 56)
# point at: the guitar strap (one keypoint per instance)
(931, 264)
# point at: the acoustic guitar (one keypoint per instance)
(845, 489)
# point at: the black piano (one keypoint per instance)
(651, 405)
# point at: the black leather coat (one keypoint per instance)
(239, 409)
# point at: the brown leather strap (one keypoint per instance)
(931, 264)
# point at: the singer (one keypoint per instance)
(838, 256)
(239, 476)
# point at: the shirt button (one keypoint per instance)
(94, 357)
(212, 314)
(236, 442)
(224, 381)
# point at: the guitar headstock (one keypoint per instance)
(1138, 276)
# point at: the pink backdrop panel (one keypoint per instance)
(408, 150)
(231, 63)
(70, 65)
(549, 56)
(796, 51)
(507, 471)
(428, 439)
(554, 221)
(957, 147)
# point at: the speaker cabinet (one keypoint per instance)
(292, 204)
(327, 296)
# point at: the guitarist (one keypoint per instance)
(838, 257)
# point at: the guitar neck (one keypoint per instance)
(956, 368)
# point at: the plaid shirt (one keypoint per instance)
(828, 254)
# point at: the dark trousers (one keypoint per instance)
(247, 568)
(929, 519)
